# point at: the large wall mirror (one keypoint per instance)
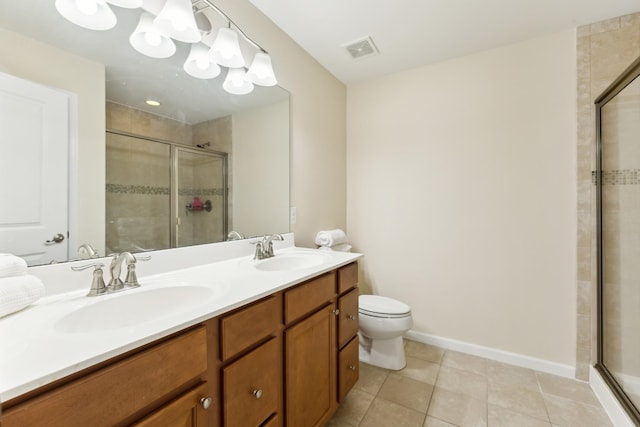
(138, 177)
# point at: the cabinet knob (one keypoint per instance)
(336, 311)
(352, 367)
(351, 316)
(206, 402)
(257, 393)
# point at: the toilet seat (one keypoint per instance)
(379, 306)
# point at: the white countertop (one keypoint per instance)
(40, 346)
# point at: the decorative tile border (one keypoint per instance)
(618, 177)
(162, 191)
(201, 192)
(137, 189)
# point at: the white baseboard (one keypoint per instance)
(616, 413)
(541, 365)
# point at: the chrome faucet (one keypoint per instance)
(98, 286)
(264, 248)
(234, 235)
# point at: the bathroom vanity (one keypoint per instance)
(273, 344)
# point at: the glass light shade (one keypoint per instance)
(91, 14)
(236, 82)
(128, 4)
(225, 49)
(150, 40)
(176, 19)
(261, 71)
(199, 64)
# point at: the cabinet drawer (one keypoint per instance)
(252, 386)
(186, 410)
(309, 296)
(348, 317)
(110, 395)
(348, 368)
(347, 277)
(243, 328)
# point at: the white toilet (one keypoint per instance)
(382, 322)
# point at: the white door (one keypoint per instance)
(34, 145)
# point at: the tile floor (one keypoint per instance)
(442, 388)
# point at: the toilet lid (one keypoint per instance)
(376, 304)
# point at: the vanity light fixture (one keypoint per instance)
(236, 82)
(90, 14)
(163, 21)
(200, 64)
(177, 20)
(150, 40)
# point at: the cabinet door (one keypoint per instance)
(253, 386)
(189, 410)
(310, 360)
(348, 317)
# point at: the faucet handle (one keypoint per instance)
(98, 286)
(131, 280)
(259, 254)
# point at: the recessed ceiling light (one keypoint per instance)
(152, 103)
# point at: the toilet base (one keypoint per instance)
(388, 354)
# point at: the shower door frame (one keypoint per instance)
(173, 189)
(628, 76)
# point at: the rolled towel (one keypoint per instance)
(11, 266)
(342, 247)
(331, 237)
(16, 293)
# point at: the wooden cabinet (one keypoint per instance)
(310, 360)
(121, 392)
(252, 386)
(288, 358)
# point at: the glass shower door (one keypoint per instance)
(619, 245)
(138, 208)
(201, 201)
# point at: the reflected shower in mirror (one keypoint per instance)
(193, 114)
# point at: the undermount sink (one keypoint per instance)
(290, 262)
(134, 307)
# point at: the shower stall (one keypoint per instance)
(617, 179)
(162, 194)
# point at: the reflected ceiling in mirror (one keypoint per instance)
(133, 78)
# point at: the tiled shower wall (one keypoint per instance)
(152, 192)
(604, 50)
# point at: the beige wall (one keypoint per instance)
(461, 193)
(318, 125)
(35, 61)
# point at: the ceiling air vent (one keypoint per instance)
(362, 48)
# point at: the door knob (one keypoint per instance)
(56, 239)
(257, 393)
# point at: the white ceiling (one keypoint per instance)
(411, 33)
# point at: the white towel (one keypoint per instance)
(19, 292)
(342, 247)
(331, 237)
(11, 266)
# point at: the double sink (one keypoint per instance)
(161, 298)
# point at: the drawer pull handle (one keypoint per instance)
(351, 316)
(257, 393)
(206, 402)
(336, 311)
(352, 367)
